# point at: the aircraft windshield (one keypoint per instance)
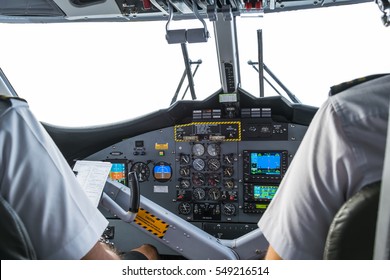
(81, 74)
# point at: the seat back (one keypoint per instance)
(15, 242)
(352, 233)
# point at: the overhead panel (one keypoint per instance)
(29, 8)
(144, 10)
(79, 9)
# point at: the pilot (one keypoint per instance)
(342, 151)
(39, 185)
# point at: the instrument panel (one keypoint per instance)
(219, 175)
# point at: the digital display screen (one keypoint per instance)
(118, 172)
(264, 192)
(265, 163)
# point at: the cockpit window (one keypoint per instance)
(81, 74)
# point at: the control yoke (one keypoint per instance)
(178, 234)
(108, 200)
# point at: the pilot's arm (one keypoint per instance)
(271, 254)
(341, 152)
(101, 251)
(39, 185)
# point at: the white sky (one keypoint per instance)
(88, 74)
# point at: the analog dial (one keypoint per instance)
(198, 150)
(229, 184)
(214, 193)
(185, 183)
(228, 171)
(198, 179)
(184, 208)
(198, 164)
(142, 171)
(184, 159)
(199, 194)
(214, 179)
(229, 209)
(228, 159)
(184, 171)
(213, 164)
(213, 149)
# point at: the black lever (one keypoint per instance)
(135, 192)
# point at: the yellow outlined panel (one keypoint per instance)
(231, 131)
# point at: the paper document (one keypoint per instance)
(92, 176)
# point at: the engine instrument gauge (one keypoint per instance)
(198, 164)
(184, 159)
(214, 193)
(198, 179)
(228, 171)
(229, 184)
(185, 183)
(213, 164)
(213, 149)
(184, 171)
(199, 194)
(184, 208)
(214, 179)
(198, 149)
(228, 159)
(229, 209)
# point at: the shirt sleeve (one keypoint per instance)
(314, 188)
(41, 187)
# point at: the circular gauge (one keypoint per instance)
(214, 179)
(214, 193)
(162, 171)
(229, 184)
(198, 164)
(185, 183)
(198, 150)
(228, 159)
(228, 171)
(198, 179)
(199, 194)
(184, 159)
(142, 170)
(184, 208)
(213, 149)
(213, 164)
(184, 171)
(229, 209)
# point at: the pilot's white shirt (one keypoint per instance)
(39, 184)
(342, 151)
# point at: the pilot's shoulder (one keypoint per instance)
(6, 102)
(363, 81)
(362, 98)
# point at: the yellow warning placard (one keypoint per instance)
(151, 223)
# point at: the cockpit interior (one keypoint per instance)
(206, 169)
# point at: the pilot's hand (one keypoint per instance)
(149, 251)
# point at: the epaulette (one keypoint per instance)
(9, 98)
(6, 102)
(346, 85)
